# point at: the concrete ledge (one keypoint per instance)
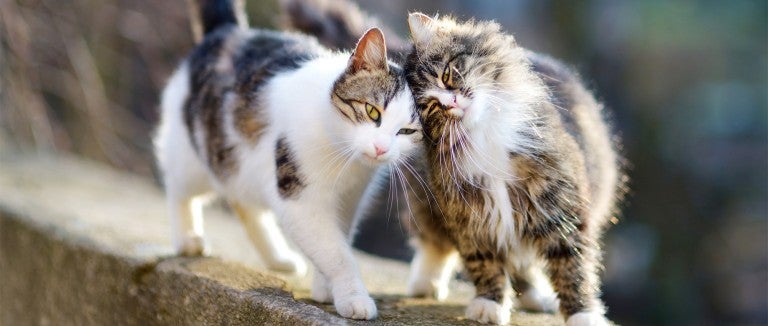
(81, 244)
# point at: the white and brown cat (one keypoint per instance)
(289, 134)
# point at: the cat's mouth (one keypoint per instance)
(374, 160)
(454, 105)
(456, 113)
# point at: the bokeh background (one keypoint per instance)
(685, 81)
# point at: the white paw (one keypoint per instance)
(427, 288)
(488, 311)
(536, 300)
(292, 263)
(587, 319)
(359, 306)
(320, 290)
(192, 246)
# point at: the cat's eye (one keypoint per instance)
(373, 113)
(447, 77)
(406, 131)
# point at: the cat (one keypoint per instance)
(521, 165)
(522, 169)
(289, 133)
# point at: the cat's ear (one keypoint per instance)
(370, 52)
(421, 27)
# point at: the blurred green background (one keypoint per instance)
(685, 82)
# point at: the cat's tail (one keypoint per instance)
(337, 24)
(208, 15)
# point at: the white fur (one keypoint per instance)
(587, 318)
(488, 311)
(525, 261)
(186, 184)
(431, 271)
(333, 155)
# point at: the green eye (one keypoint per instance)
(406, 131)
(447, 76)
(373, 112)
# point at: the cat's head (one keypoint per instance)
(462, 72)
(374, 105)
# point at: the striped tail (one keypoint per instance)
(208, 15)
(337, 24)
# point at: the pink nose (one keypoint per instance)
(455, 102)
(380, 150)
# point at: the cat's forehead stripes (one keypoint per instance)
(376, 87)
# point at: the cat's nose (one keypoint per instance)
(453, 102)
(380, 150)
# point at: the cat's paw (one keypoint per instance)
(359, 306)
(192, 246)
(427, 288)
(488, 311)
(587, 318)
(292, 264)
(537, 300)
(320, 291)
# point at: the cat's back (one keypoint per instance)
(583, 118)
(232, 55)
(228, 73)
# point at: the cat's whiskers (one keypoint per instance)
(348, 159)
(456, 168)
(404, 184)
(392, 191)
(472, 150)
(431, 197)
(336, 157)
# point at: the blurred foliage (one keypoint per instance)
(686, 82)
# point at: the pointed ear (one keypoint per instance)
(370, 52)
(420, 26)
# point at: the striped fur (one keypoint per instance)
(519, 160)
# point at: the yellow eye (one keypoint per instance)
(447, 76)
(373, 113)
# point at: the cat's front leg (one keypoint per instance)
(317, 232)
(321, 291)
(572, 267)
(492, 302)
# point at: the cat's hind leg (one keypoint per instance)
(432, 268)
(187, 225)
(535, 292)
(268, 239)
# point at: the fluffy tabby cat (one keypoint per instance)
(520, 165)
(284, 129)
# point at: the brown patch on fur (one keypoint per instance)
(290, 182)
(248, 121)
(212, 76)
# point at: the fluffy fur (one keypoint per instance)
(285, 131)
(521, 172)
(520, 166)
